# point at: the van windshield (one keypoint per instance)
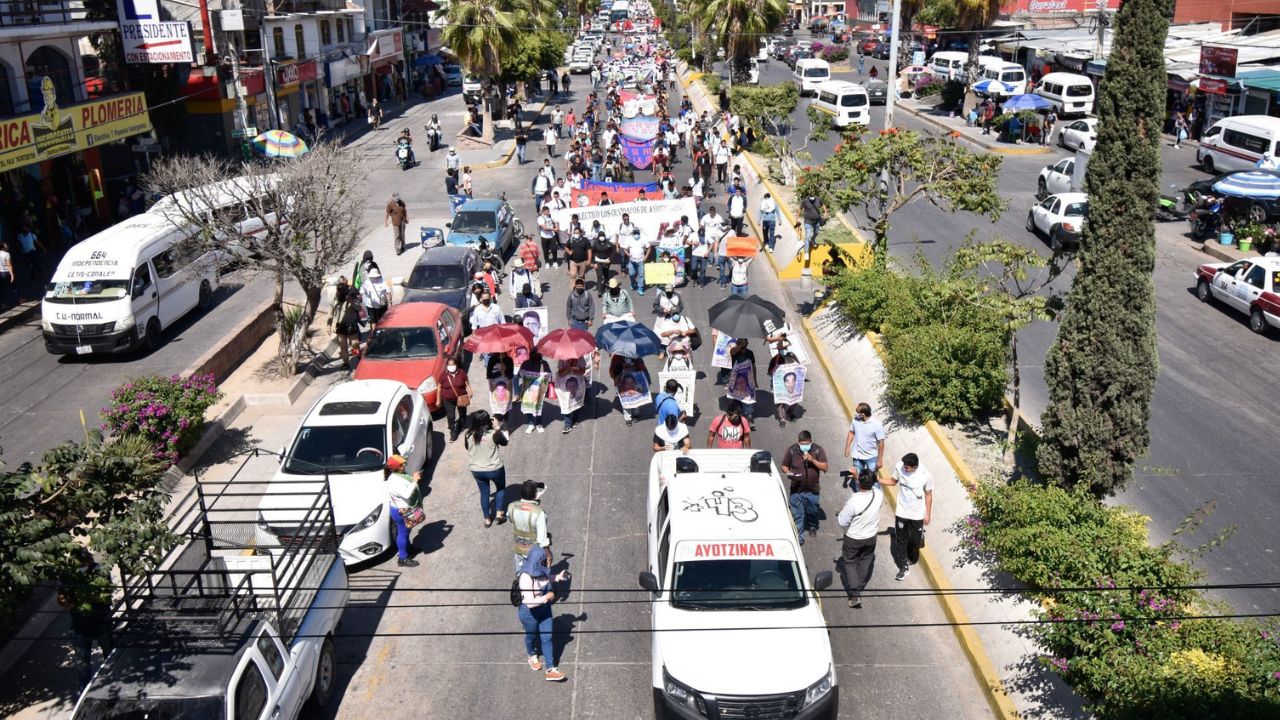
(853, 100)
(1012, 76)
(1079, 90)
(86, 291)
(815, 72)
(737, 585)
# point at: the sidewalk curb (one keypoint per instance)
(19, 314)
(989, 147)
(983, 670)
(1215, 250)
(506, 158)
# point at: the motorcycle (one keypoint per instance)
(1206, 221)
(404, 154)
(433, 138)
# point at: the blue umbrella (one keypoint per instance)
(992, 87)
(628, 339)
(1027, 101)
(1252, 184)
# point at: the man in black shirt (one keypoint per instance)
(601, 255)
(579, 255)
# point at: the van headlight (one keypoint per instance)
(369, 519)
(126, 322)
(263, 525)
(681, 694)
(820, 689)
(46, 326)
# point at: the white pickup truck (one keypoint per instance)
(223, 628)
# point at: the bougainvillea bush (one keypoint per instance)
(167, 411)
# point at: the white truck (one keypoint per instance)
(224, 628)
(728, 587)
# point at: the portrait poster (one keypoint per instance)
(633, 390)
(684, 395)
(792, 343)
(533, 390)
(742, 386)
(571, 389)
(499, 395)
(535, 320)
(720, 350)
(788, 384)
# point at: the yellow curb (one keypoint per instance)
(503, 160)
(983, 669)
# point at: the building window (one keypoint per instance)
(46, 62)
(351, 28)
(341, 27)
(325, 39)
(301, 40)
(277, 41)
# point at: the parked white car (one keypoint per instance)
(1059, 217)
(1056, 178)
(1079, 134)
(1250, 286)
(346, 438)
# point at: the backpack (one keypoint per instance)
(517, 597)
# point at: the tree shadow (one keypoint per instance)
(371, 592)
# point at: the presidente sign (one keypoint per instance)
(55, 131)
(147, 39)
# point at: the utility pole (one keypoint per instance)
(891, 93)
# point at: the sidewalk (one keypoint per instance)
(955, 125)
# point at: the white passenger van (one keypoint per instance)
(119, 289)
(809, 73)
(948, 64)
(1237, 143)
(729, 589)
(1070, 94)
(844, 101)
(1011, 74)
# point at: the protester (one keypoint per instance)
(617, 304)
(534, 374)
(782, 410)
(738, 275)
(860, 517)
(529, 522)
(666, 405)
(620, 369)
(549, 232)
(768, 222)
(404, 499)
(729, 430)
(580, 255)
(676, 332)
(536, 596)
(579, 306)
(483, 443)
(865, 440)
(915, 509)
(667, 302)
(602, 251)
(803, 463)
(671, 434)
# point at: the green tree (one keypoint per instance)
(767, 108)
(884, 173)
(1101, 371)
(479, 32)
(532, 53)
(738, 25)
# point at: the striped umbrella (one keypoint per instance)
(279, 143)
(1252, 184)
(1028, 101)
(992, 87)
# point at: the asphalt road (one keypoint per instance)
(1215, 407)
(44, 395)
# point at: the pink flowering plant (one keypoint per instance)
(167, 411)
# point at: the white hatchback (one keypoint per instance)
(345, 439)
(1055, 178)
(1060, 217)
(1079, 134)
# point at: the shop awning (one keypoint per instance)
(1260, 79)
(423, 60)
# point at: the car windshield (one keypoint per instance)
(437, 277)
(737, 585)
(474, 221)
(1077, 209)
(86, 291)
(337, 448)
(401, 343)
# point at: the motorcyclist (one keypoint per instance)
(406, 141)
(433, 132)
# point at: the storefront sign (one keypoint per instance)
(1178, 84)
(156, 42)
(307, 71)
(386, 45)
(287, 75)
(1053, 6)
(1213, 86)
(1219, 61)
(58, 131)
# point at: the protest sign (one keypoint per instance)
(535, 321)
(687, 379)
(659, 273)
(500, 396)
(571, 390)
(586, 198)
(641, 127)
(633, 390)
(741, 246)
(533, 391)
(720, 350)
(788, 384)
(648, 216)
(637, 152)
(742, 384)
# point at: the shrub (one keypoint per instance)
(943, 372)
(928, 86)
(167, 411)
(711, 82)
(952, 94)
(835, 53)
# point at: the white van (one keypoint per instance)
(1237, 143)
(1070, 94)
(1011, 74)
(810, 73)
(948, 64)
(119, 289)
(844, 101)
(729, 589)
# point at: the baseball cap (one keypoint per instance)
(395, 462)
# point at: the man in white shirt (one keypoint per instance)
(548, 234)
(722, 163)
(737, 209)
(860, 517)
(915, 509)
(738, 276)
(865, 441)
(541, 187)
(637, 250)
(549, 137)
(557, 120)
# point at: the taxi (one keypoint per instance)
(728, 587)
(1250, 286)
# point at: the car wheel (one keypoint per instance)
(1202, 291)
(1031, 224)
(326, 675)
(151, 340)
(206, 295)
(1257, 213)
(1206, 163)
(1062, 139)
(1055, 242)
(1041, 190)
(1257, 322)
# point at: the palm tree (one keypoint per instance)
(476, 33)
(738, 25)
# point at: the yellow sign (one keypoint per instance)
(659, 273)
(57, 131)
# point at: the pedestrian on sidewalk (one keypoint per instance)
(375, 297)
(1050, 121)
(811, 218)
(803, 463)
(397, 215)
(344, 320)
(84, 599)
(31, 248)
(522, 141)
(1179, 129)
(860, 517)
(536, 595)
(6, 275)
(466, 181)
(768, 222)
(579, 307)
(452, 161)
(375, 114)
(484, 442)
(865, 440)
(915, 509)
(862, 61)
(455, 397)
(529, 522)
(404, 498)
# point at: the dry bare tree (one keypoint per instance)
(296, 219)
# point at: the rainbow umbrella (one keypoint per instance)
(279, 143)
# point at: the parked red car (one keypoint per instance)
(411, 344)
(869, 45)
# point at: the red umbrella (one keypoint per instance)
(500, 338)
(566, 344)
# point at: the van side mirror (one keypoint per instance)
(822, 580)
(280, 457)
(649, 581)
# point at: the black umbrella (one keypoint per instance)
(738, 317)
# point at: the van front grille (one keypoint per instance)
(83, 329)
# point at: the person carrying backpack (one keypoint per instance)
(730, 430)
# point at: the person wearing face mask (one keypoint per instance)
(675, 331)
(803, 464)
(526, 298)
(865, 440)
(485, 314)
(668, 302)
(579, 307)
(455, 396)
(617, 303)
(602, 250)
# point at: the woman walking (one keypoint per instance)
(455, 397)
(483, 440)
(344, 320)
(536, 596)
(404, 499)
